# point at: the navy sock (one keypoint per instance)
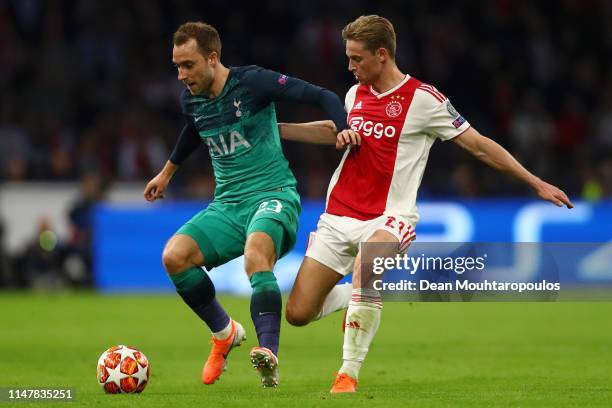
(214, 315)
(266, 304)
(198, 291)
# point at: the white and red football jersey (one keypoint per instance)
(397, 128)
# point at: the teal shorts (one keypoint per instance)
(222, 228)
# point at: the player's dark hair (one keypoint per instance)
(206, 37)
(374, 31)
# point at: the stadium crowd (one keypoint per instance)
(89, 86)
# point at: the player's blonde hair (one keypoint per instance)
(206, 37)
(374, 31)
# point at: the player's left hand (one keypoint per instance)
(553, 194)
(347, 137)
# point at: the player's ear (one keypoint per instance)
(213, 58)
(382, 54)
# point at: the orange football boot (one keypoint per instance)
(217, 359)
(344, 383)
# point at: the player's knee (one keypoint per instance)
(256, 260)
(181, 253)
(297, 316)
(174, 260)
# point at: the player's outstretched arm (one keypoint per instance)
(157, 186)
(491, 153)
(319, 132)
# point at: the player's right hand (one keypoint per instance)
(156, 187)
(347, 137)
(553, 194)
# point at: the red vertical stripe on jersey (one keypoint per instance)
(365, 178)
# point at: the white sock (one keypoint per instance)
(351, 368)
(362, 321)
(337, 299)
(225, 333)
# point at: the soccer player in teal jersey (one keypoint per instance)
(256, 206)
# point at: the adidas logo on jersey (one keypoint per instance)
(358, 106)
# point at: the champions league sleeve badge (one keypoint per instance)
(459, 120)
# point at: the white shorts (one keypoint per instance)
(336, 242)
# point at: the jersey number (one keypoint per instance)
(391, 221)
(270, 206)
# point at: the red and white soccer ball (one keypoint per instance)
(123, 369)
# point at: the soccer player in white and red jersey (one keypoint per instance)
(372, 194)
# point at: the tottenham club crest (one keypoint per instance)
(237, 105)
(394, 108)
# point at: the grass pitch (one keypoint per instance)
(425, 354)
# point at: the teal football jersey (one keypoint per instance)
(239, 128)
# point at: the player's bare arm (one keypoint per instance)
(318, 132)
(494, 155)
(157, 186)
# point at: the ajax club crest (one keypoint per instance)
(394, 108)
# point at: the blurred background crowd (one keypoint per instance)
(88, 91)
(89, 85)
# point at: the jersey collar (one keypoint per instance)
(390, 91)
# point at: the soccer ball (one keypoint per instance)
(123, 369)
